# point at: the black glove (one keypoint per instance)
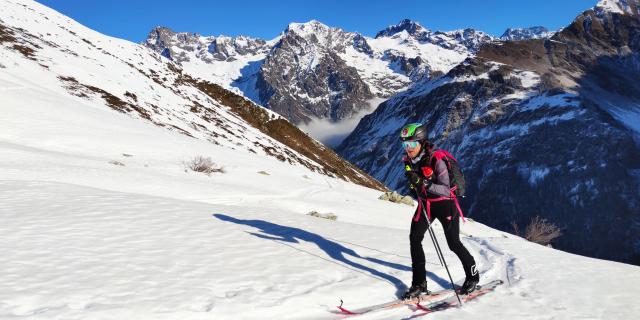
(414, 180)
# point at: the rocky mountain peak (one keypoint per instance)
(462, 40)
(160, 39)
(165, 34)
(536, 32)
(178, 46)
(411, 27)
(224, 47)
(469, 34)
(159, 31)
(314, 36)
(307, 28)
(617, 6)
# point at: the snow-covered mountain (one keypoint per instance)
(623, 7)
(321, 78)
(547, 127)
(324, 78)
(220, 60)
(122, 77)
(100, 220)
(463, 41)
(304, 76)
(537, 32)
(313, 71)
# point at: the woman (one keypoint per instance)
(428, 176)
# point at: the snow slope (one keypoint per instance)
(122, 69)
(86, 238)
(103, 72)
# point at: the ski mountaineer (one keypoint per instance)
(427, 174)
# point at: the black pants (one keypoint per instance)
(443, 211)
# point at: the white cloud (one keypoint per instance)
(332, 133)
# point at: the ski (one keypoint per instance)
(451, 302)
(427, 297)
(431, 302)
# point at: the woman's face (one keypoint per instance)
(412, 148)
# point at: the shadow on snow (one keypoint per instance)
(336, 251)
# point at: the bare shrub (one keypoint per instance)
(328, 216)
(516, 228)
(539, 231)
(204, 165)
(542, 232)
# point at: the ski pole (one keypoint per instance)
(434, 245)
(437, 245)
(432, 239)
(429, 228)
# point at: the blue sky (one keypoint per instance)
(133, 19)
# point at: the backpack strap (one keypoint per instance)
(445, 156)
(451, 197)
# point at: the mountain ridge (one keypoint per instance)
(551, 121)
(315, 58)
(371, 68)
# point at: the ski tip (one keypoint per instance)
(345, 311)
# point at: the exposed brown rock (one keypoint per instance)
(285, 132)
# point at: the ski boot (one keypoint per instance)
(415, 290)
(470, 284)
